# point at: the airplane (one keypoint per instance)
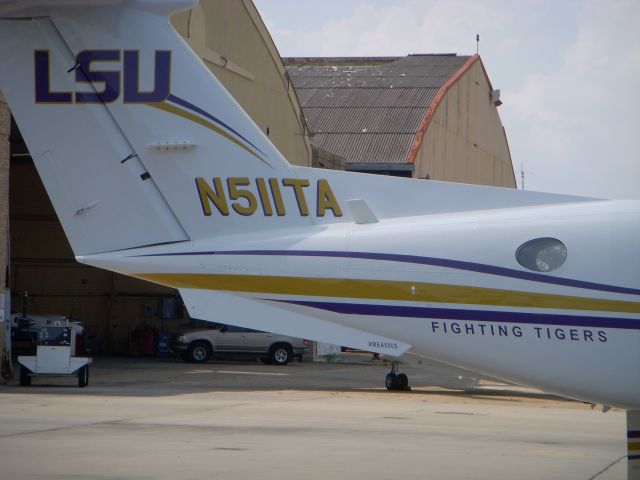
(156, 172)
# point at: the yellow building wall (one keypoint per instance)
(465, 141)
(234, 43)
(5, 129)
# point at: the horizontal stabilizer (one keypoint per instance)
(263, 315)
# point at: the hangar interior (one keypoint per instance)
(298, 107)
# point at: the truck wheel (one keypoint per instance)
(280, 354)
(198, 352)
(25, 378)
(83, 376)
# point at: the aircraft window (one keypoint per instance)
(542, 254)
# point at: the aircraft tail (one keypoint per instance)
(138, 144)
(126, 126)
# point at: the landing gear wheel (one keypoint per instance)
(392, 382)
(83, 376)
(395, 380)
(25, 378)
(403, 381)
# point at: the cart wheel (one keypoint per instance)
(25, 378)
(83, 376)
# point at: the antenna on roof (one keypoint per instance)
(523, 172)
(477, 42)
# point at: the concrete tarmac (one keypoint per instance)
(152, 419)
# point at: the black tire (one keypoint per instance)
(25, 378)
(280, 354)
(391, 382)
(83, 376)
(403, 381)
(199, 351)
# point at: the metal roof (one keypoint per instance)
(369, 110)
(368, 148)
(364, 120)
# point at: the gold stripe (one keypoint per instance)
(633, 447)
(386, 290)
(200, 121)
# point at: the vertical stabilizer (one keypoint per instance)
(133, 136)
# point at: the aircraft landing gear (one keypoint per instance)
(395, 380)
(633, 436)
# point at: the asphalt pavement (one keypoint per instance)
(164, 419)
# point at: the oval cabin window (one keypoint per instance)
(542, 254)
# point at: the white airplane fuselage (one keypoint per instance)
(448, 285)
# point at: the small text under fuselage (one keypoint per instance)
(387, 345)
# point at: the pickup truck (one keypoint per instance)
(202, 345)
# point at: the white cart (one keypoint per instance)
(54, 357)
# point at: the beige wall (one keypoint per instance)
(5, 128)
(231, 38)
(465, 141)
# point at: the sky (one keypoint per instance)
(568, 71)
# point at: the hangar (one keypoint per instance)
(448, 122)
(422, 116)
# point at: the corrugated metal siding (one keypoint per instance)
(364, 120)
(366, 97)
(377, 148)
(453, 60)
(361, 81)
(370, 113)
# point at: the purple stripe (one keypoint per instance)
(633, 434)
(182, 102)
(437, 262)
(470, 315)
(634, 457)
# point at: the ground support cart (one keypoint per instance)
(54, 357)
